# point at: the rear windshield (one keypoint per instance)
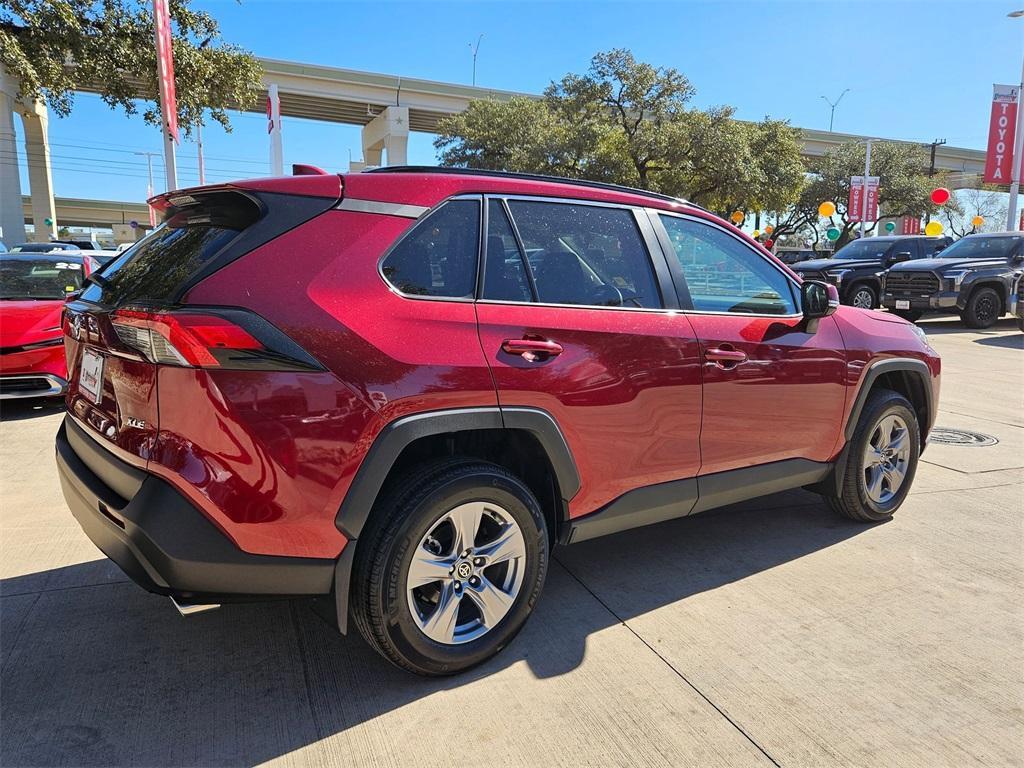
(42, 278)
(154, 270)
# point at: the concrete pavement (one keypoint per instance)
(767, 633)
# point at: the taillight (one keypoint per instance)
(220, 338)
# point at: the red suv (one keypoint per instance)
(398, 390)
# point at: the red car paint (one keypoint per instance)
(27, 326)
(268, 456)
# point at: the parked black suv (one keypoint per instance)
(974, 277)
(856, 269)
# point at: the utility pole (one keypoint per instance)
(475, 49)
(934, 145)
(833, 105)
(199, 144)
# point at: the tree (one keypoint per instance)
(54, 47)
(985, 200)
(627, 122)
(904, 186)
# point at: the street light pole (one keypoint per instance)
(1018, 143)
(833, 105)
(476, 50)
(864, 190)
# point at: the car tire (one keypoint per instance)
(983, 308)
(414, 534)
(875, 456)
(863, 296)
(910, 315)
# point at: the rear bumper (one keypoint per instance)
(21, 385)
(163, 542)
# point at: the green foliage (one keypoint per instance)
(627, 122)
(52, 47)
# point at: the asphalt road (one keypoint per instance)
(770, 633)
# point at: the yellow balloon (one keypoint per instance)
(737, 217)
(769, 229)
(757, 233)
(977, 221)
(826, 209)
(934, 228)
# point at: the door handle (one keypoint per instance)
(724, 357)
(532, 349)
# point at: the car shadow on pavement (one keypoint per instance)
(942, 325)
(30, 408)
(1010, 342)
(97, 672)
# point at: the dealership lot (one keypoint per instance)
(772, 632)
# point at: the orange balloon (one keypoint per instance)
(977, 221)
(737, 217)
(826, 209)
(769, 229)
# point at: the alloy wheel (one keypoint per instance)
(886, 459)
(985, 309)
(864, 299)
(466, 573)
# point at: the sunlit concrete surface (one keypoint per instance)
(768, 633)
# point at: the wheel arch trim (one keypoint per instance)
(910, 365)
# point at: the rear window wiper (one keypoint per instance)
(97, 279)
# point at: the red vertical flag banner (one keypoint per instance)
(855, 206)
(999, 155)
(165, 68)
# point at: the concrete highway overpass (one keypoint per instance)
(387, 107)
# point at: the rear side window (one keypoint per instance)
(438, 257)
(505, 277)
(585, 254)
(154, 270)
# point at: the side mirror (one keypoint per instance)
(1017, 258)
(899, 256)
(817, 300)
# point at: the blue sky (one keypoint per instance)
(916, 70)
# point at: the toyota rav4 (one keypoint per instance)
(396, 391)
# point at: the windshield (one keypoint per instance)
(39, 278)
(868, 248)
(42, 248)
(981, 248)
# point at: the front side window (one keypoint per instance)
(585, 254)
(439, 255)
(724, 275)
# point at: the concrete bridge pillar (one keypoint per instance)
(35, 120)
(387, 136)
(12, 217)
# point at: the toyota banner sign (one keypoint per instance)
(999, 157)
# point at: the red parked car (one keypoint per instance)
(33, 287)
(398, 390)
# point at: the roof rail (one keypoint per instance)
(529, 177)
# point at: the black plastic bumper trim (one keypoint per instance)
(166, 545)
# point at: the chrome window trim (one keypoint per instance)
(794, 286)
(661, 310)
(359, 205)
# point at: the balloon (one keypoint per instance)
(890, 226)
(832, 233)
(933, 228)
(769, 243)
(977, 221)
(737, 217)
(769, 229)
(940, 195)
(757, 233)
(826, 209)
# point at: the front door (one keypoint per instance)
(575, 319)
(772, 390)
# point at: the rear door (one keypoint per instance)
(576, 319)
(772, 390)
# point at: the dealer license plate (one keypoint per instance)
(902, 304)
(90, 377)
